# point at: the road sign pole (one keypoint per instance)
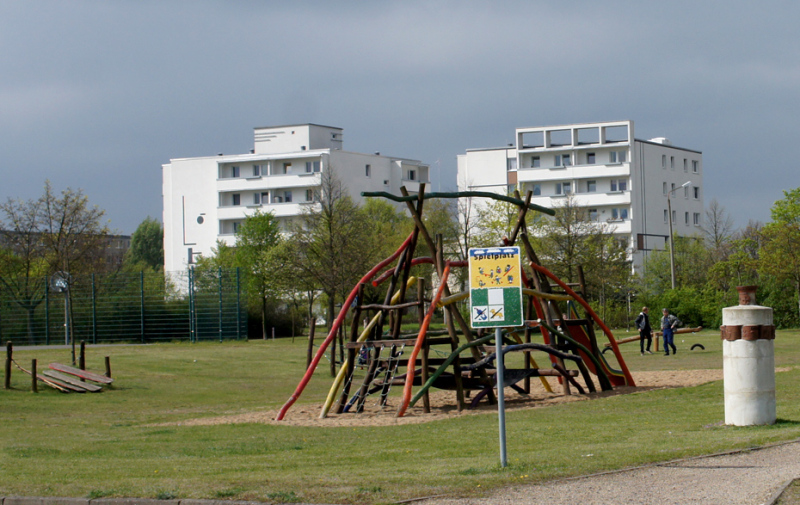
(501, 402)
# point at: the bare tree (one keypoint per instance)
(718, 230)
(40, 237)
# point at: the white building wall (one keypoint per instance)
(606, 170)
(206, 199)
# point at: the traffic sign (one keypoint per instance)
(495, 281)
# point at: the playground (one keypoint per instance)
(383, 413)
(194, 421)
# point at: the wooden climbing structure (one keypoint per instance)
(378, 356)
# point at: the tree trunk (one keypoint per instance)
(263, 318)
(331, 308)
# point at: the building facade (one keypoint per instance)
(206, 199)
(622, 181)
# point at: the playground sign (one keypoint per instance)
(495, 284)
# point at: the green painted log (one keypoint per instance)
(460, 194)
(447, 363)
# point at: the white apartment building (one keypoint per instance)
(206, 199)
(621, 180)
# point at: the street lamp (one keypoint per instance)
(671, 238)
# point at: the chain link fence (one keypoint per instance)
(127, 307)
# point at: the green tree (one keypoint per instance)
(780, 251)
(256, 242)
(147, 246)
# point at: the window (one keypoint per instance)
(277, 199)
(696, 192)
(310, 194)
(695, 166)
(236, 226)
(590, 158)
(696, 219)
(672, 162)
(237, 199)
(563, 188)
(256, 198)
(368, 170)
(385, 182)
(412, 175)
(686, 191)
(536, 162)
(287, 196)
(511, 164)
(663, 161)
(563, 160)
(537, 189)
(234, 171)
(665, 216)
(672, 187)
(664, 187)
(686, 218)
(617, 156)
(591, 186)
(674, 216)
(619, 184)
(256, 170)
(619, 214)
(311, 166)
(593, 215)
(286, 168)
(685, 165)
(264, 197)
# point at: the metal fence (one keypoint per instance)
(128, 307)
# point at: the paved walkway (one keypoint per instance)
(748, 477)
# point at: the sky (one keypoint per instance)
(97, 95)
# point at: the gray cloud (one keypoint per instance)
(97, 95)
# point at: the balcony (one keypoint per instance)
(573, 172)
(302, 180)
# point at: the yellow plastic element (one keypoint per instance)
(337, 382)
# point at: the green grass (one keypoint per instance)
(109, 444)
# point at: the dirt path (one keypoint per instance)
(443, 403)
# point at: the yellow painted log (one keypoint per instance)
(337, 382)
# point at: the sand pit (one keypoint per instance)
(443, 403)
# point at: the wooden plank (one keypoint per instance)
(83, 374)
(71, 380)
(60, 385)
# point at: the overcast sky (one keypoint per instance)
(98, 95)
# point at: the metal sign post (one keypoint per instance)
(495, 302)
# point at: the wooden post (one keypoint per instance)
(82, 357)
(426, 401)
(352, 353)
(108, 367)
(312, 326)
(34, 385)
(9, 354)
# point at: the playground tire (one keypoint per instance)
(701, 346)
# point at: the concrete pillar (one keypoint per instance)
(748, 361)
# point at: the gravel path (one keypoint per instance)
(746, 478)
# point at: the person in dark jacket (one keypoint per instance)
(668, 325)
(645, 331)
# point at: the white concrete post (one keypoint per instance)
(748, 361)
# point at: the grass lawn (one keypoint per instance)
(106, 444)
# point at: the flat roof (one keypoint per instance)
(298, 124)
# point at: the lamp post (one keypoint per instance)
(671, 238)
